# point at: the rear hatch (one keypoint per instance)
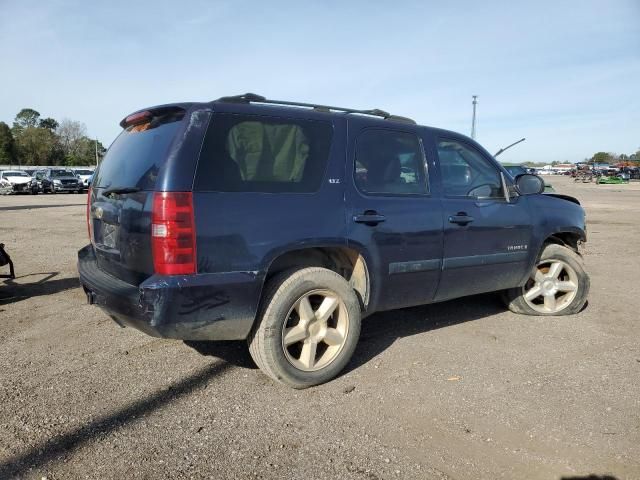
(120, 202)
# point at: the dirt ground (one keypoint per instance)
(459, 390)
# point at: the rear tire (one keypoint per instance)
(307, 327)
(558, 285)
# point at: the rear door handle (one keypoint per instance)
(369, 218)
(460, 219)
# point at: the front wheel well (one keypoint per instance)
(345, 261)
(567, 239)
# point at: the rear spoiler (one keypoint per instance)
(142, 116)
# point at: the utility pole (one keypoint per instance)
(473, 119)
(96, 144)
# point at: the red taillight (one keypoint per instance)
(173, 233)
(89, 214)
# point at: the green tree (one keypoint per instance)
(601, 157)
(7, 145)
(48, 123)
(26, 118)
(84, 152)
(37, 146)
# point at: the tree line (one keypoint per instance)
(33, 140)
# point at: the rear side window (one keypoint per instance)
(136, 156)
(244, 153)
(390, 162)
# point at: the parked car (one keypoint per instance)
(57, 180)
(515, 170)
(84, 175)
(17, 181)
(245, 218)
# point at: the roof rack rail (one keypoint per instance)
(254, 98)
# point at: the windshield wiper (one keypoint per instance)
(119, 190)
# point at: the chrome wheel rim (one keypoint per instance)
(552, 287)
(315, 330)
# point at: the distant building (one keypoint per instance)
(564, 166)
(560, 167)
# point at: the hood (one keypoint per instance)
(17, 180)
(563, 197)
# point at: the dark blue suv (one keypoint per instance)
(285, 223)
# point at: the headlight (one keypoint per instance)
(57, 182)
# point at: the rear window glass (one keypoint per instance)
(136, 156)
(243, 153)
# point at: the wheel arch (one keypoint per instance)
(347, 262)
(567, 238)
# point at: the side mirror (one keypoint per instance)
(528, 184)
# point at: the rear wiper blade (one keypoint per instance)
(119, 190)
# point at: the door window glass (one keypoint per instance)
(467, 173)
(390, 162)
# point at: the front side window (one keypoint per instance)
(243, 153)
(467, 173)
(390, 162)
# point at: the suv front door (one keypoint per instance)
(392, 216)
(486, 237)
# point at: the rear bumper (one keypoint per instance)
(214, 306)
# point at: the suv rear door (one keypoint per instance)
(486, 238)
(391, 214)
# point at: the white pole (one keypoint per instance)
(473, 119)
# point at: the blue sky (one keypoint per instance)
(566, 75)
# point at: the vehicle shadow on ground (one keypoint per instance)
(379, 331)
(592, 477)
(29, 207)
(233, 352)
(12, 291)
(63, 446)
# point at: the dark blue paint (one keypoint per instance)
(413, 253)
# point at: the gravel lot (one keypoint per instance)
(459, 390)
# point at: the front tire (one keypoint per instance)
(559, 285)
(307, 328)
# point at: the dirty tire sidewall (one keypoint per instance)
(280, 293)
(514, 297)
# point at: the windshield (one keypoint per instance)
(515, 170)
(84, 172)
(61, 173)
(15, 174)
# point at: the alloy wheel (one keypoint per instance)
(552, 287)
(315, 330)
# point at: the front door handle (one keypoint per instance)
(370, 218)
(460, 218)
